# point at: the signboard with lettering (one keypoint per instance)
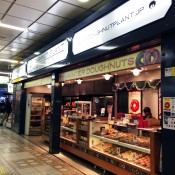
(51, 56)
(19, 72)
(126, 18)
(143, 58)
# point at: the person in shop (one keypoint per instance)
(8, 110)
(152, 121)
(147, 113)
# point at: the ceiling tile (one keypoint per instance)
(66, 10)
(41, 28)
(37, 4)
(53, 20)
(16, 21)
(1, 15)
(31, 35)
(23, 41)
(24, 12)
(9, 31)
(3, 43)
(6, 37)
(17, 45)
(1, 47)
(86, 5)
(4, 6)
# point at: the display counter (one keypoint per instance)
(116, 151)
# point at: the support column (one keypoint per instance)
(168, 90)
(55, 118)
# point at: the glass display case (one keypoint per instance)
(131, 148)
(83, 108)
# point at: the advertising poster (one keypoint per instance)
(134, 102)
(169, 113)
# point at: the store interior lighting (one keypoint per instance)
(62, 83)
(49, 85)
(9, 60)
(13, 27)
(136, 71)
(107, 76)
(79, 81)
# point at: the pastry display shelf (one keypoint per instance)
(123, 160)
(68, 129)
(134, 147)
(70, 140)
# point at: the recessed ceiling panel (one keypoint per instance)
(41, 28)
(3, 42)
(66, 10)
(17, 45)
(23, 41)
(42, 5)
(24, 12)
(31, 35)
(86, 5)
(16, 21)
(53, 20)
(4, 6)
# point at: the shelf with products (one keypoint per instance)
(68, 128)
(129, 147)
(83, 132)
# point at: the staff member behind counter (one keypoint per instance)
(152, 122)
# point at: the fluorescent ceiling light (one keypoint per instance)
(21, 62)
(13, 49)
(36, 53)
(83, 0)
(13, 27)
(7, 73)
(8, 60)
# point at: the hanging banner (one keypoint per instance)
(143, 58)
(126, 18)
(169, 113)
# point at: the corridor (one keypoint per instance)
(19, 156)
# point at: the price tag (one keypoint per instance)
(133, 156)
(118, 150)
(116, 135)
(134, 138)
(92, 142)
(102, 146)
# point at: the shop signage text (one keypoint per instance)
(125, 62)
(19, 72)
(126, 18)
(51, 56)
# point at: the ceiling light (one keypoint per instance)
(158, 66)
(106, 47)
(13, 27)
(8, 60)
(6, 73)
(62, 83)
(79, 81)
(13, 49)
(21, 62)
(136, 71)
(49, 85)
(107, 76)
(83, 0)
(36, 53)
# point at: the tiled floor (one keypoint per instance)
(19, 156)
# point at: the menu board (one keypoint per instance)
(169, 113)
